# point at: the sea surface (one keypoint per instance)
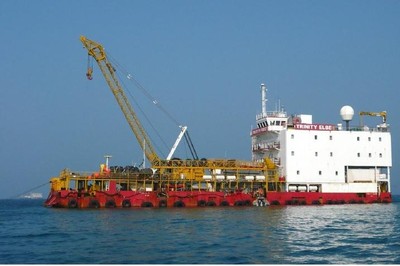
(339, 234)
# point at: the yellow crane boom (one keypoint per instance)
(383, 114)
(174, 169)
(96, 50)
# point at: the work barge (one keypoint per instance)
(295, 161)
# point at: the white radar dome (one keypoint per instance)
(347, 113)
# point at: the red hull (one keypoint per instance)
(316, 198)
(126, 199)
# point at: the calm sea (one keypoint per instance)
(340, 234)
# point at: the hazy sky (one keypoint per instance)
(203, 61)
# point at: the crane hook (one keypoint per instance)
(89, 73)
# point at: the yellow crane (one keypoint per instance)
(174, 169)
(96, 50)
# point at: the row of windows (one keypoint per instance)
(316, 154)
(272, 123)
(369, 155)
(331, 138)
(319, 172)
(369, 139)
(331, 154)
(262, 124)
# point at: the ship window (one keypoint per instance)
(320, 172)
(380, 155)
(292, 136)
(292, 153)
(331, 154)
(369, 138)
(298, 172)
(336, 172)
(358, 138)
(330, 137)
(380, 139)
(369, 155)
(278, 123)
(316, 154)
(358, 154)
(315, 137)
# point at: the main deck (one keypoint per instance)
(174, 183)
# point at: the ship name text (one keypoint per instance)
(325, 127)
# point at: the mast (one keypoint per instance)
(263, 100)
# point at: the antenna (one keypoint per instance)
(263, 99)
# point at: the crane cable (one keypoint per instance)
(131, 78)
(191, 147)
(30, 190)
(148, 121)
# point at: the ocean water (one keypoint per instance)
(339, 234)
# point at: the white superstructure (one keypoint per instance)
(317, 157)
